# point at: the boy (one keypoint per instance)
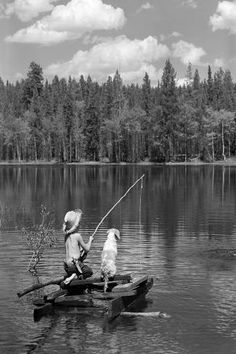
(76, 248)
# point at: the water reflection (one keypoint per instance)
(195, 196)
(187, 220)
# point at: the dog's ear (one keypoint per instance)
(116, 232)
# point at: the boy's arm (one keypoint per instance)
(85, 246)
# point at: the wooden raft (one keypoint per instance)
(123, 293)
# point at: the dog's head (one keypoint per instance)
(114, 232)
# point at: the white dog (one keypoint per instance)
(109, 253)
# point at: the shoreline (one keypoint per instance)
(227, 162)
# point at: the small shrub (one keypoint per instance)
(39, 238)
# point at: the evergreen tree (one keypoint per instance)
(146, 95)
(92, 126)
(117, 114)
(33, 85)
(189, 77)
(106, 106)
(189, 74)
(170, 109)
(146, 105)
(210, 89)
(68, 118)
(218, 95)
(229, 97)
(196, 81)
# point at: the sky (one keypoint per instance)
(97, 37)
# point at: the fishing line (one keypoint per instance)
(123, 196)
(140, 224)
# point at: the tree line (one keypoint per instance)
(82, 120)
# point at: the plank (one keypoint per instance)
(74, 300)
(115, 307)
(55, 294)
(122, 303)
(50, 297)
(130, 286)
(39, 302)
(110, 295)
(109, 284)
(44, 310)
(77, 283)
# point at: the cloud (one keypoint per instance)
(71, 21)
(138, 75)
(219, 62)
(26, 10)
(225, 17)
(183, 81)
(19, 76)
(131, 57)
(191, 3)
(188, 53)
(174, 34)
(39, 33)
(146, 6)
(2, 11)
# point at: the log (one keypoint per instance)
(74, 283)
(41, 285)
(146, 314)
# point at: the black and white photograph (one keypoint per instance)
(118, 176)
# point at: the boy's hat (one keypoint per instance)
(71, 221)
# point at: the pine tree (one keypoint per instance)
(170, 109)
(229, 96)
(33, 85)
(92, 124)
(68, 117)
(196, 80)
(218, 89)
(146, 95)
(147, 106)
(210, 89)
(106, 105)
(189, 74)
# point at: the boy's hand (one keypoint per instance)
(91, 238)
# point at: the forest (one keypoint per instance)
(81, 120)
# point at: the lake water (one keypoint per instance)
(183, 235)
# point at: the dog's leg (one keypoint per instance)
(105, 283)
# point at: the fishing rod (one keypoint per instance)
(123, 196)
